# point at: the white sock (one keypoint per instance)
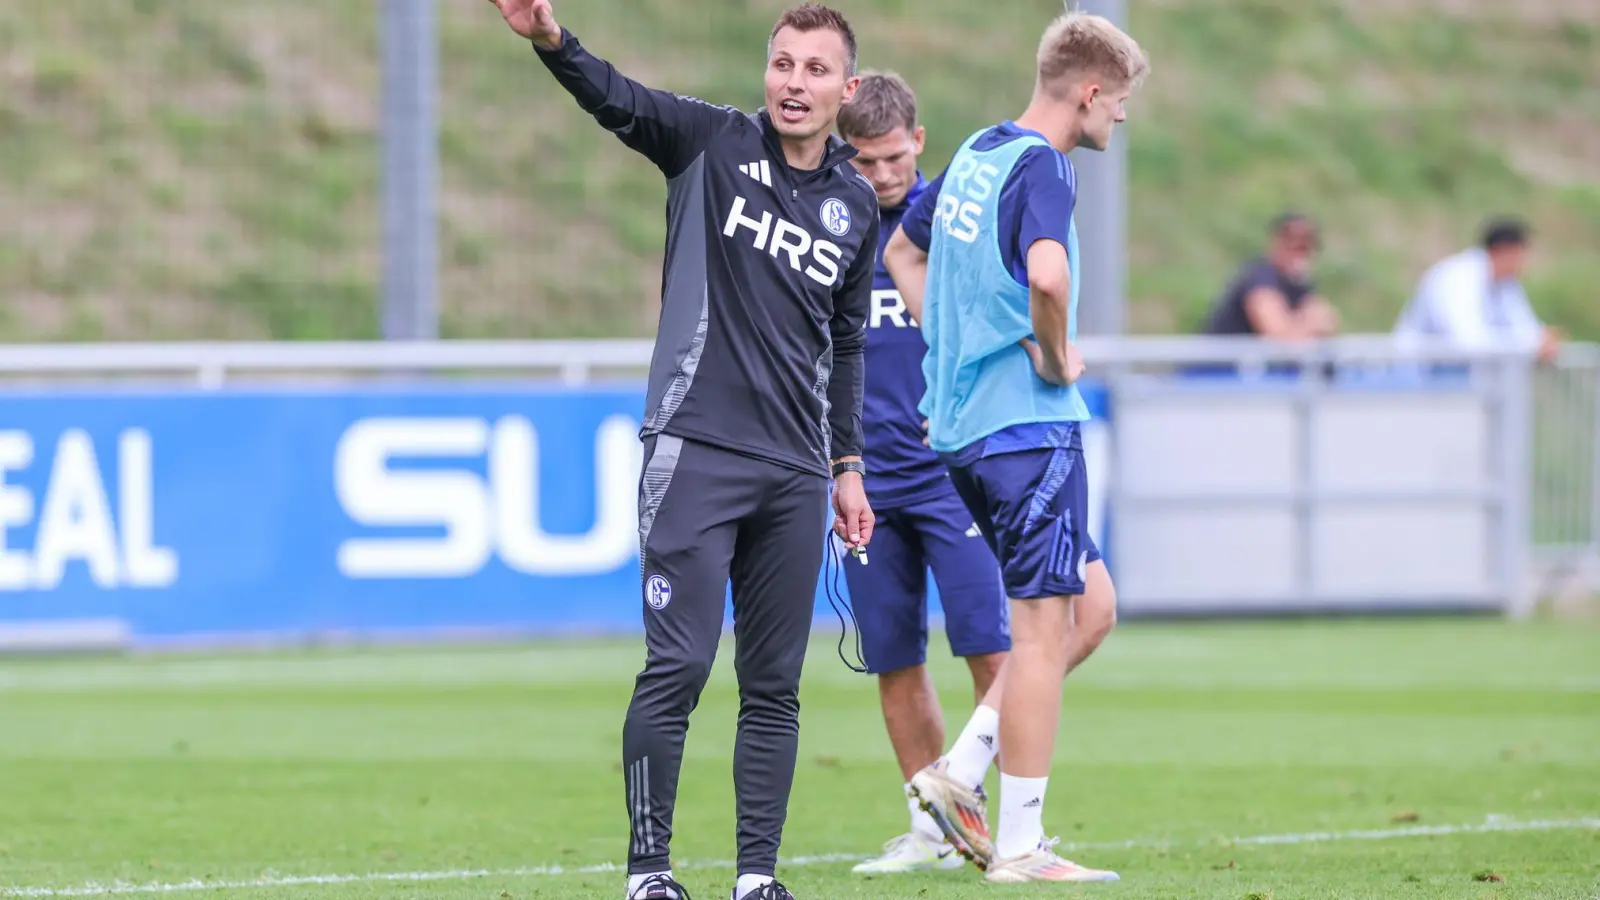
(922, 823)
(635, 880)
(976, 748)
(748, 884)
(1021, 815)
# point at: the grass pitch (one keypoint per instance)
(1396, 759)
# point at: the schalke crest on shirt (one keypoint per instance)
(836, 216)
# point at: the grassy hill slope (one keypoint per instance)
(181, 168)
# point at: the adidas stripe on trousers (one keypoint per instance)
(708, 517)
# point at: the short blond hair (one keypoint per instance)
(1078, 44)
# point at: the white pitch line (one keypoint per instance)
(1494, 824)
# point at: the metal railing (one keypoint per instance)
(212, 365)
(1565, 468)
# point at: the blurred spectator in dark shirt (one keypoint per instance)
(1273, 296)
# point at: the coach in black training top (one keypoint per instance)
(754, 401)
(765, 290)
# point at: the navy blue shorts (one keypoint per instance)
(890, 593)
(1033, 507)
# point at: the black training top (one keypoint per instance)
(768, 273)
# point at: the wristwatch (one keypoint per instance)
(849, 465)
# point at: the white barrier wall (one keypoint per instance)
(1315, 496)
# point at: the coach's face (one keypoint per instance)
(807, 81)
(889, 161)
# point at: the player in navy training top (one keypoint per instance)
(921, 521)
(987, 259)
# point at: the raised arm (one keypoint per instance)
(668, 129)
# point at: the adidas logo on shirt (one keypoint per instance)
(759, 171)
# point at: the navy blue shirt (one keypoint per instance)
(901, 470)
(1036, 203)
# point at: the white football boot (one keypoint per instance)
(1042, 863)
(911, 852)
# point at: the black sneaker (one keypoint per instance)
(660, 887)
(772, 890)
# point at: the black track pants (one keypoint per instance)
(708, 515)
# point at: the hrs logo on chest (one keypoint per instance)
(967, 187)
(889, 310)
(786, 241)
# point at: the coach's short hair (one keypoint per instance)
(882, 103)
(814, 16)
(1078, 43)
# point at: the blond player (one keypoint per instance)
(987, 261)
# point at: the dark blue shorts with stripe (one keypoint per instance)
(1033, 507)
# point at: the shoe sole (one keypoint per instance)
(951, 832)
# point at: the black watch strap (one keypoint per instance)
(849, 465)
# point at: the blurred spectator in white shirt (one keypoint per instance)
(1474, 299)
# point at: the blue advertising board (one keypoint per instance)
(290, 512)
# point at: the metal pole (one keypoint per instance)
(410, 160)
(1102, 218)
